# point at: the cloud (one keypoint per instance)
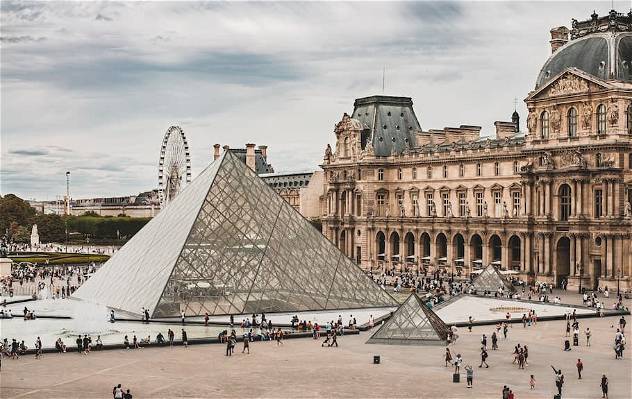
(91, 87)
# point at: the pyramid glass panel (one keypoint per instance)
(230, 244)
(412, 323)
(490, 280)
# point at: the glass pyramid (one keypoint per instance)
(229, 244)
(412, 323)
(490, 280)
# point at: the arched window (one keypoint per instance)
(565, 202)
(544, 125)
(601, 119)
(629, 119)
(572, 122)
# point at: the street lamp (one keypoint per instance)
(618, 278)
(579, 267)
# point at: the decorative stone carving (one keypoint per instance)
(547, 161)
(467, 209)
(586, 116)
(572, 159)
(328, 154)
(505, 210)
(402, 211)
(449, 209)
(532, 122)
(613, 114)
(628, 210)
(568, 84)
(346, 124)
(556, 120)
(485, 208)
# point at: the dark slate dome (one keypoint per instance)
(601, 47)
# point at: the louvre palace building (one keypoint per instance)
(550, 201)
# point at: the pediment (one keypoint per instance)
(496, 187)
(569, 82)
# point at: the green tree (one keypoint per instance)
(14, 210)
(51, 228)
(22, 235)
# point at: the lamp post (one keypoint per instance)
(618, 278)
(579, 267)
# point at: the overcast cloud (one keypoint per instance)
(91, 87)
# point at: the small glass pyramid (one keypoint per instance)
(229, 244)
(490, 280)
(412, 323)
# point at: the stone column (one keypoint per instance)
(612, 256)
(523, 243)
(467, 263)
(547, 200)
(573, 270)
(540, 265)
(615, 200)
(527, 200)
(547, 254)
(504, 254)
(526, 260)
(580, 199)
(485, 252)
(579, 255)
(575, 200)
(604, 256)
(449, 252)
(606, 198)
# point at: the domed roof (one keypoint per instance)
(601, 47)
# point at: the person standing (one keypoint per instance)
(484, 341)
(588, 334)
(622, 323)
(469, 373)
(38, 348)
(457, 363)
(494, 341)
(79, 342)
(171, 335)
(580, 367)
(182, 316)
(229, 352)
(559, 380)
(206, 319)
(532, 381)
(483, 357)
(469, 323)
(604, 386)
(448, 357)
(185, 340)
(246, 345)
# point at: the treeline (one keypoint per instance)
(17, 218)
(106, 227)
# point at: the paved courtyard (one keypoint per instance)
(301, 368)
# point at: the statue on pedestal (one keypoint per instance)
(35, 240)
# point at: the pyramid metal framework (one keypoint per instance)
(413, 323)
(490, 280)
(229, 244)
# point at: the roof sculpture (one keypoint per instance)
(413, 323)
(491, 280)
(228, 244)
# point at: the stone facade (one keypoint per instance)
(552, 203)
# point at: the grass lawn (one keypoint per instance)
(59, 258)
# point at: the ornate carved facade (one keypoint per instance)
(552, 203)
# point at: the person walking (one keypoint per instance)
(246, 345)
(483, 357)
(185, 340)
(206, 319)
(559, 380)
(494, 341)
(457, 363)
(117, 392)
(334, 340)
(448, 357)
(604, 386)
(580, 367)
(182, 316)
(171, 335)
(484, 341)
(38, 348)
(229, 352)
(469, 373)
(588, 335)
(532, 382)
(469, 323)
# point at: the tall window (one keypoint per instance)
(462, 203)
(415, 201)
(544, 125)
(498, 206)
(630, 160)
(572, 122)
(358, 205)
(629, 119)
(598, 203)
(429, 172)
(380, 174)
(461, 170)
(445, 171)
(515, 199)
(496, 169)
(601, 119)
(478, 169)
(516, 167)
(429, 204)
(445, 198)
(399, 174)
(381, 203)
(565, 202)
(479, 204)
(414, 173)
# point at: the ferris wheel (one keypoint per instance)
(174, 167)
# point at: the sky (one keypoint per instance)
(92, 87)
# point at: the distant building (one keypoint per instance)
(256, 159)
(145, 204)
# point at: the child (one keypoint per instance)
(532, 382)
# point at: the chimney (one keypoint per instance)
(559, 37)
(250, 156)
(264, 151)
(215, 151)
